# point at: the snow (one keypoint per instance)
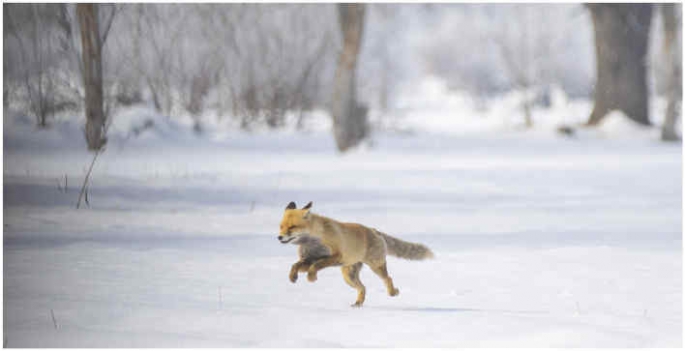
(540, 240)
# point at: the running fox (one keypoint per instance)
(325, 242)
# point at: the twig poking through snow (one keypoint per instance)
(54, 320)
(85, 181)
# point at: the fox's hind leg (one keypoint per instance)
(351, 275)
(382, 271)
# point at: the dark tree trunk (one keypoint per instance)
(92, 75)
(674, 85)
(621, 38)
(349, 118)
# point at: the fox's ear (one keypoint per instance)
(307, 206)
(291, 206)
(306, 214)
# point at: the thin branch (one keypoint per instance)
(54, 320)
(85, 181)
(108, 26)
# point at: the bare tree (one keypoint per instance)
(621, 39)
(29, 26)
(164, 27)
(349, 118)
(515, 46)
(91, 44)
(248, 61)
(300, 99)
(69, 45)
(671, 51)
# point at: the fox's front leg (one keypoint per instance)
(299, 266)
(333, 260)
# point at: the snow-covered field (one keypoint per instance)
(540, 240)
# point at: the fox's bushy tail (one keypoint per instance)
(404, 249)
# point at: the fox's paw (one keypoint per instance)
(311, 276)
(357, 304)
(293, 277)
(395, 292)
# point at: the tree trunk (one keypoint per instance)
(92, 74)
(674, 85)
(621, 38)
(349, 118)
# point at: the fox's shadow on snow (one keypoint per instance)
(430, 309)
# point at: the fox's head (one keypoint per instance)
(295, 223)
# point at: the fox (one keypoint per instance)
(324, 242)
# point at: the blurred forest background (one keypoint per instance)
(250, 64)
(536, 148)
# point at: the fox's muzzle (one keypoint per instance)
(285, 240)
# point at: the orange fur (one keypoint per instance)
(345, 244)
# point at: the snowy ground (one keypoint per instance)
(540, 240)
